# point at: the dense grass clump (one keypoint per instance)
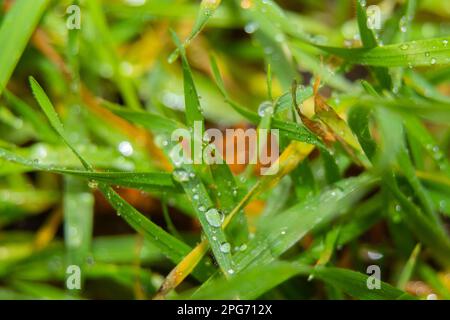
(98, 99)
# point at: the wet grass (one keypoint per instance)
(88, 175)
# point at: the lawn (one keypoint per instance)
(234, 149)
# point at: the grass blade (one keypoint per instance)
(15, 32)
(417, 53)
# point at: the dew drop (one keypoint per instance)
(225, 247)
(265, 108)
(126, 68)
(136, 3)
(374, 255)
(243, 247)
(403, 24)
(93, 184)
(161, 141)
(180, 175)
(230, 271)
(433, 61)
(445, 42)
(404, 46)
(125, 148)
(251, 27)
(214, 217)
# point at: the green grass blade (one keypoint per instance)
(290, 129)
(367, 36)
(145, 181)
(207, 10)
(355, 284)
(416, 53)
(408, 269)
(288, 227)
(369, 41)
(173, 248)
(192, 103)
(249, 284)
(52, 116)
(78, 215)
(43, 130)
(425, 230)
(15, 32)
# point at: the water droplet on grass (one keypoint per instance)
(125, 148)
(214, 217)
(225, 247)
(180, 175)
(93, 184)
(265, 108)
(161, 141)
(403, 24)
(374, 255)
(251, 27)
(126, 68)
